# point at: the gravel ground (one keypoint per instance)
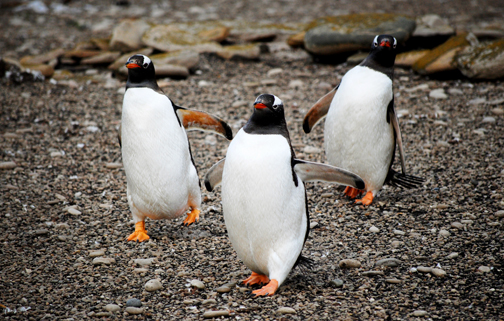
(65, 214)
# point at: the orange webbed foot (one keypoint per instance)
(256, 278)
(140, 233)
(269, 289)
(367, 199)
(352, 192)
(192, 217)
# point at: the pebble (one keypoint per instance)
(455, 91)
(285, 310)
(223, 289)
(413, 270)
(466, 222)
(438, 94)
(103, 261)
(312, 150)
(296, 83)
(97, 253)
(424, 269)
(7, 165)
(313, 225)
(457, 225)
(140, 270)
(197, 284)
(495, 111)
(499, 214)
(153, 285)
(274, 72)
(336, 283)
(209, 302)
(374, 229)
(74, 211)
(147, 262)
(112, 307)
(392, 262)
(133, 310)
(438, 272)
(215, 314)
(393, 281)
(372, 273)
(452, 255)
(113, 165)
(488, 119)
(349, 264)
(484, 269)
(444, 233)
(396, 243)
(102, 314)
(399, 232)
(420, 313)
(41, 231)
(134, 303)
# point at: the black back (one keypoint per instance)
(382, 55)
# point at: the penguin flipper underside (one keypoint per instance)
(392, 116)
(193, 119)
(309, 171)
(214, 175)
(318, 111)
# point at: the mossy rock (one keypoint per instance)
(407, 59)
(340, 34)
(483, 61)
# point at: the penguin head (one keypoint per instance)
(268, 116)
(384, 50)
(140, 69)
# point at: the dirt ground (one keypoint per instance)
(63, 140)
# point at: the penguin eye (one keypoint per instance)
(375, 43)
(145, 65)
(395, 43)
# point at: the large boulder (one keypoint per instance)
(127, 36)
(340, 34)
(482, 61)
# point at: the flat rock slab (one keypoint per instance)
(127, 35)
(483, 61)
(339, 34)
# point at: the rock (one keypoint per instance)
(181, 36)
(420, 313)
(488, 119)
(197, 284)
(103, 261)
(499, 214)
(140, 270)
(172, 71)
(407, 59)
(42, 59)
(349, 264)
(424, 269)
(246, 51)
(45, 70)
(97, 253)
(392, 262)
(134, 303)
(457, 225)
(223, 289)
(441, 58)
(112, 308)
(455, 91)
(312, 150)
(296, 40)
(185, 58)
(498, 111)
(484, 269)
(127, 35)
(393, 281)
(258, 31)
(153, 285)
(41, 231)
(399, 232)
(215, 314)
(113, 165)
(374, 229)
(372, 273)
(336, 283)
(102, 314)
(444, 233)
(438, 272)
(209, 302)
(147, 262)
(133, 310)
(339, 34)
(482, 61)
(285, 310)
(8, 165)
(438, 93)
(396, 243)
(432, 25)
(73, 211)
(452, 255)
(105, 57)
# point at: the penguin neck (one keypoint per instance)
(260, 125)
(134, 81)
(383, 63)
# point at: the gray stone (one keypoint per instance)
(223, 289)
(393, 281)
(133, 310)
(153, 285)
(146, 262)
(444, 233)
(372, 273)
(399, 232)
(420, 313)
(112, 307)
(134, 303)
(438, 272)
(392, 262)
(452, 255)
(73, 211)
(374, 229)
(349, 264)
(438, 94)
(96, 253)
(338, 34)
(197, 284)
(103, 261)
(127, 35)
(484, 269)
(285, 310)
(499, 214)
(424, 269)
(336, 283)
(7, 165)
(482, 61)
(215, 314)
(488, 119)
(209, 302)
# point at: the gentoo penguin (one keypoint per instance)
(263, 195)
(162, 181)
(361, 127)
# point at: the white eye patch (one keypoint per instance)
(277, 101)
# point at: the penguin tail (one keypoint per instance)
(304, 263)
(404, 181)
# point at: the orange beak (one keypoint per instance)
(132, 65)
(260, 106)
(385, 44)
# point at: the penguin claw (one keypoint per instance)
(256, 278)
(367, 199)
(140, 233)
(269, 289)
(192, 217)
